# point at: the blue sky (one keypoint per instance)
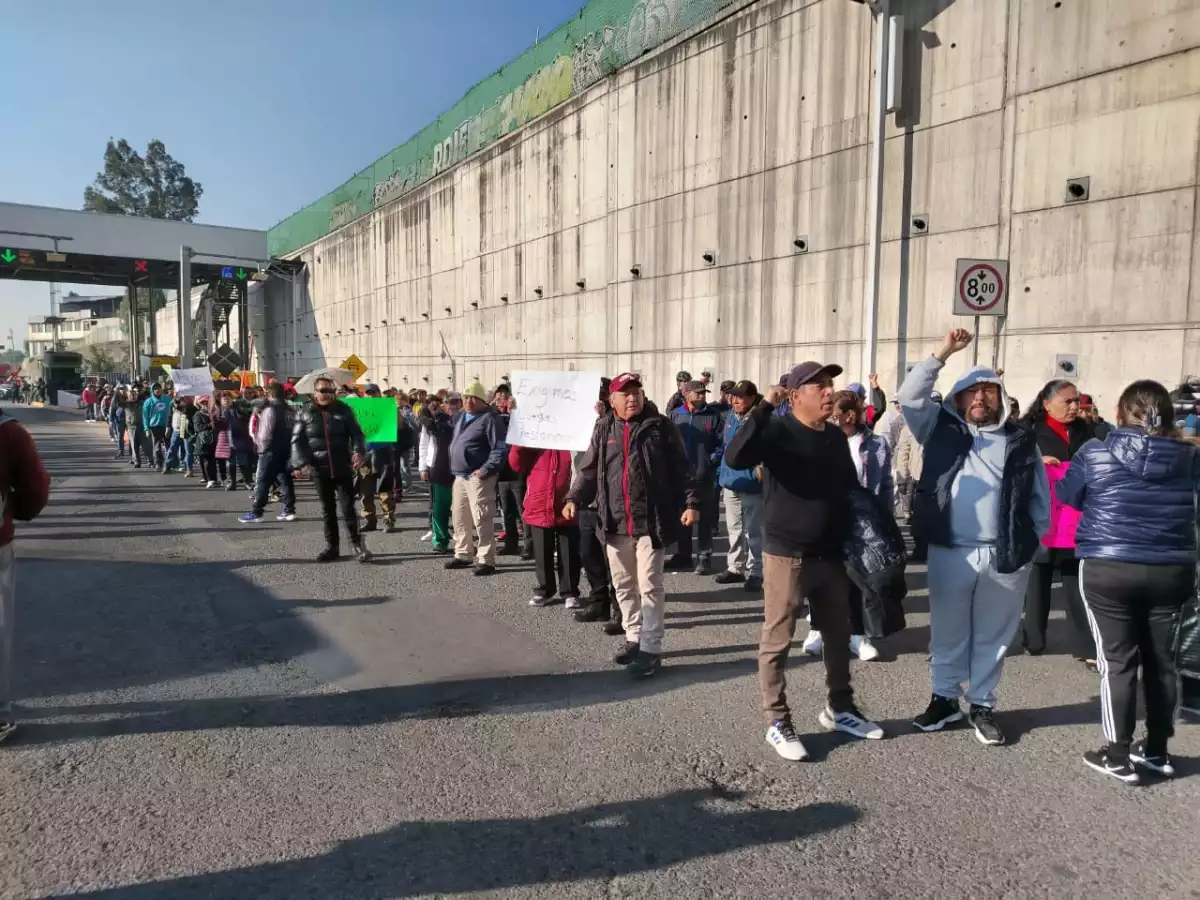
(268, 103)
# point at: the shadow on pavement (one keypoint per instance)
(461, 857)
(373, 706)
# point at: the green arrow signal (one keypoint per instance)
(8, 256)
(241, 274)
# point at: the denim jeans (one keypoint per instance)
(184, 446)
(273, 467)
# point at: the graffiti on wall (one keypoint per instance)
(603, 37)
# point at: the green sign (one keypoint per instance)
(242, 274)
(8, 255)
(377, 416)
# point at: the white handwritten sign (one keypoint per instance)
(554, 410)
(192, 382)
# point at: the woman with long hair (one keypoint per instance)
(1137, 545)
(1060, 431)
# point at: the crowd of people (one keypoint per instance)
(814, 483)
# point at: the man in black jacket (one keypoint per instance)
(328, 439)
(636, 469)
(808, 477)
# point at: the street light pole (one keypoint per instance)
(882, 12)
(185, 307)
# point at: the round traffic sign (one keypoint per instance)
(981, 287)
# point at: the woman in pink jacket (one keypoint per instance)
(1061, 431)
(549, 478)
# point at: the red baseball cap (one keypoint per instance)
(623, 381)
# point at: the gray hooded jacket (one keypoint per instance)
(977, 490)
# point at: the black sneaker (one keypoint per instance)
(7, 730)
(678, 563)
(704, 566)
(628, 654)
(457, 563)
(614, 628)
(940, 712)
(362, 554)
(1158, 763)
(541, 600)
(484, 569)
(645, 664)
(983, 721)
(526, 556)
(1114, 767)
(592, 612)
(509, 550)
(329, 554)
(728, 577)
(368, 525)
(754, 585)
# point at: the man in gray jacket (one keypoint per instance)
(477, 454)
(983, 504)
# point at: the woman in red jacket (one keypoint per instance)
(549, 478)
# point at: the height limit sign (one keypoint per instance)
(981, 287)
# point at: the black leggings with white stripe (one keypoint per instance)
(1133, 610)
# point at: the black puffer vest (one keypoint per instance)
(945, 452)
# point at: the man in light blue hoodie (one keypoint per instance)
(156, 419)
(983, 504)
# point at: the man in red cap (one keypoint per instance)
(807, 482)
(637, 471)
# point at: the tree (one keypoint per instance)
(154, 185)
(97, 358)
(12, 356)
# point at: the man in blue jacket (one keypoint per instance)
(700, 425)
(742, 491)
(477, 454)
(156, 419)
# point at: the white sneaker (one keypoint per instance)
(863, 648)
(851, 722)
(782, 738)
(211, 484)
(813, 643)
(573, 603)
(427, 536)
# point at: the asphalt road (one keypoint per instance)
(210, 714)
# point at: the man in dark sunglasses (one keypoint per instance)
(328, 439)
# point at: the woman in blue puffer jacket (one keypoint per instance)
(1137, 545)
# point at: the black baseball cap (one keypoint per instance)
(683, 376)
(744, 389)
(806, 372)
(695, 386)
(727, 386)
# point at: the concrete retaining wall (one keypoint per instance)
(755, 131)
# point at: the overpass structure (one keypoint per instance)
(61, 245)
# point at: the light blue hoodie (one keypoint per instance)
(975, 494)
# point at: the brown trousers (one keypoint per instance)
(786, 582)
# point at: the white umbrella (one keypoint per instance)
(308, 383)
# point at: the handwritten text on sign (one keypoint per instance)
(376, 416)
(192, 382)
(554, 410)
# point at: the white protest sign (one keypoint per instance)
(192, 382)
(67, 400)
(554, 410)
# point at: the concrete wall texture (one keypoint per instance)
(755, 130)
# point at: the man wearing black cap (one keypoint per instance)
(677, 400)
(808, 476)
(700, 426)
(743, 499)
(636, 470)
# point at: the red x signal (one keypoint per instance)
(140, 265)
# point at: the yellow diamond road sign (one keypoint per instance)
(353, 364)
